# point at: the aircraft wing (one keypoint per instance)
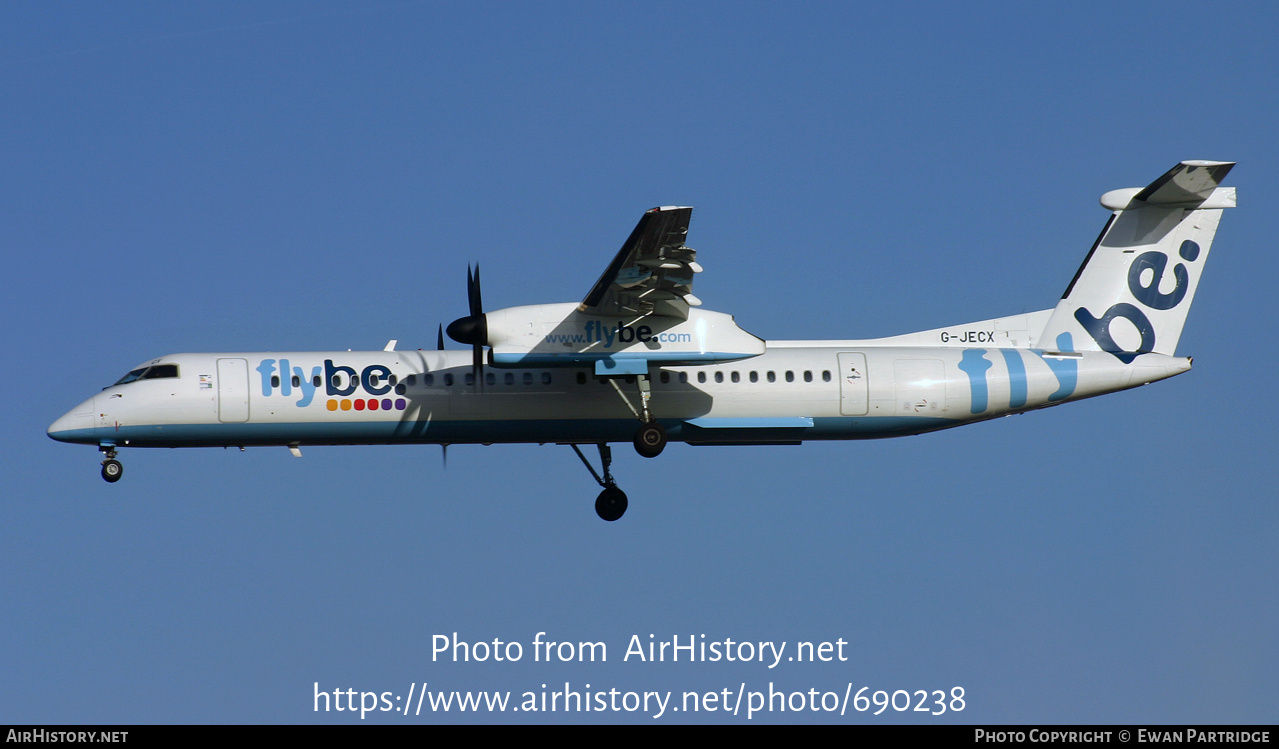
(653, 272)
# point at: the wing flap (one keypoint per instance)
(653, 272)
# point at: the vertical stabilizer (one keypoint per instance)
(1131, 295)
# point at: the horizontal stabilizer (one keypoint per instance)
(1188, 182)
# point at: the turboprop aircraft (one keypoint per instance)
(639, 359)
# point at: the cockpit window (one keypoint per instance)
(130, 377)
(161, 372)
(157, 372)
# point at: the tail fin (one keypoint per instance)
(1144, 267)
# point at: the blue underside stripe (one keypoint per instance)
(746, 430)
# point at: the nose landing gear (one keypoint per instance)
(112, 470)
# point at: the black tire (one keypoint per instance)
(610, 504)
(650, 440)
(112, 471)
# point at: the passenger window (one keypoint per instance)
(736, 377)
(790, 376)
(701, 377)
(825, 375)
(666, 377)
(719, 376)
(528, 378)
(297, 381)
(546, 378)
(581, 378)
(411, 380)
(808, 375)
(469, 379)
(448, 380)
(683, 376)
(509, 379)
(754, 376)
(772, 376)
(392, 379)
(490, 378)
(429, 379)
(317, 381)
(275, 381)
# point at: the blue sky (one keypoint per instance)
(310, 176)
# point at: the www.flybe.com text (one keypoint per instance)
(597, 332)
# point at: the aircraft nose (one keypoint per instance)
(75, 425)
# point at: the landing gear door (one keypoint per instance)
(233, 390)
(853, 391)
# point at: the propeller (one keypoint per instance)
(472, 329)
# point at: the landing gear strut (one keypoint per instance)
(650, 438)
(611, 503)
(112, 470)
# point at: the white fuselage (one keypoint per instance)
(794, 391)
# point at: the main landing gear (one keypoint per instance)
(112, 470)
(611, 503)
(650, 438)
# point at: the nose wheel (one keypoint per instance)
(112, 471)
(111, 468)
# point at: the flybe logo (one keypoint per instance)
(336, 380)
(1144, 278)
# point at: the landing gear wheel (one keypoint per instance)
(650, 440)
(112, 471)
(610, 504)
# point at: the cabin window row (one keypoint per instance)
(768, 376)
(528, 378)
(733, 376)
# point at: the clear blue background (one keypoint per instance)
(313, 175)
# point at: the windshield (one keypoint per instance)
(155, 372)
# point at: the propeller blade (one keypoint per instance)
(473, 291)
(472, 329)
(477, 311)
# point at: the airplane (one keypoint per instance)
(640, 360)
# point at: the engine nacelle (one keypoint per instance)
(559, 335)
